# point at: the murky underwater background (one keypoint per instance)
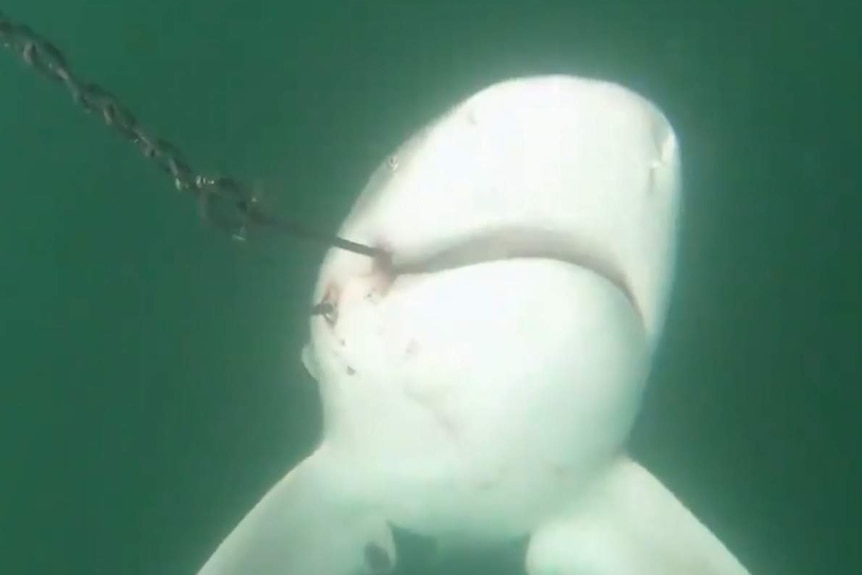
(151, 388)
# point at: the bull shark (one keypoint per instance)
(479, 380)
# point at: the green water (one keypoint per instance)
(151, 388)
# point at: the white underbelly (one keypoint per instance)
(479, 398)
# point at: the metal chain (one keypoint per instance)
(224, 201)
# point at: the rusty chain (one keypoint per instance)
(224, 201)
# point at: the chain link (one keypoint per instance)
(224, 201)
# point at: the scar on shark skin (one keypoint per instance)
(382, 271)
(327, 307)
(382, 275)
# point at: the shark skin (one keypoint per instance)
(479, 379)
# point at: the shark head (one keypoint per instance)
(480, 376)
(528, 234)
(555, 167)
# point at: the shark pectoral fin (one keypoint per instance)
(307, 524)
(630, 525)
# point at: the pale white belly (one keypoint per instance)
(477, 399)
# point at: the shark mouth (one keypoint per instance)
(514, 243)
(487, 246)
